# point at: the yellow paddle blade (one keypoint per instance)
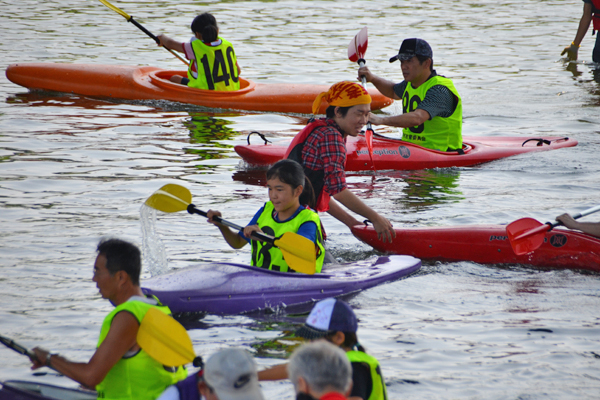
(170, 198)
(165, 339)
(115, 9)
(299, 252)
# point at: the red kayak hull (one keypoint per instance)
(152, 83)
(487, 244)
(399, 155)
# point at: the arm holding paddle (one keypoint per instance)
(386, 87)
(231, 237)
(169, 43)
(120, 339)
(591, 228)
(383, 85)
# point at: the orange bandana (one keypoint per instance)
(343, 94)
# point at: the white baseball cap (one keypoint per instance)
(232, 374)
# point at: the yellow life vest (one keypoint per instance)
(437, 133)
(264, 255)
(137, 376)
(216, 65)
(379, 391)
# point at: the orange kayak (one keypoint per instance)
(152, 83)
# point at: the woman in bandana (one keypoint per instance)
(321, 149)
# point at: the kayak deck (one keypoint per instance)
(152, 83)
(25, 390)
(395, 154)
(487, 244)
(227, 288)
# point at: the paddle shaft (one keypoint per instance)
(147, 32)
(260, 236)
(550, 225)
(11, 344)
(363, 79)
(17, 347)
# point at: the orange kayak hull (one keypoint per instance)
(152, 83)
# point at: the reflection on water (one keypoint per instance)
(591, 85)
(420, 190)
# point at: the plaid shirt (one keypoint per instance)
(325, 149)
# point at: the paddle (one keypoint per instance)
(129, 18)
(298, 251)
(356, 53)
(527, 234)
(163, 338)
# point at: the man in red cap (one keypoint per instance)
(431, 107)
(321, 149)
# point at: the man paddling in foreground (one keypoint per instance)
(321, 149)
(119, 369)
(431, 106)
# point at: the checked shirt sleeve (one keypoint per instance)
(326, 150)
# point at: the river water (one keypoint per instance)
(75, 169)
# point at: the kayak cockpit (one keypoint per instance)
(161, 78)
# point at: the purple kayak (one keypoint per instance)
(227, 288)
(24, 390)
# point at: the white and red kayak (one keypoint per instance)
(487, 244)
(396, 154)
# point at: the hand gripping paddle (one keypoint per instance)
(161, 336)
(129, 18)
(299, 252)
(356, 53)
(527, 234)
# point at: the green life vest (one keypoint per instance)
(437, 133)
(379, 391)
(137, 376)
(216, 65)
(264, 255)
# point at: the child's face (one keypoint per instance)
(283, 197)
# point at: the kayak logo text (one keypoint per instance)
(402, 151)
(494, 237)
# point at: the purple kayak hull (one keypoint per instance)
(24, 390)
(227, 288)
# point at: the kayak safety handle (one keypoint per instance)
(540, 141)
(259, 134)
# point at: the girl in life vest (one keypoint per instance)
(213, 64)
(290, 196)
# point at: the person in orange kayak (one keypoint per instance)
(591, 14)
(213, 64)
(431, 107)
(320, 147)
(288, 210)
(591, 228)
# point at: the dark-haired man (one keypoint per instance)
(431, 107)
(119, 369)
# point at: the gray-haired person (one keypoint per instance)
(320, 370)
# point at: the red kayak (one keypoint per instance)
(399, 155)
(487, 244)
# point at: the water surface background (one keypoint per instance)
(74, 169)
